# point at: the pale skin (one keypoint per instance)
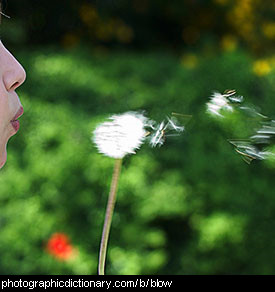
(12, 75)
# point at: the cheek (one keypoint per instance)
(3, 154)
(3, 122)
(4, 109)
(5, 116)
(4, 105)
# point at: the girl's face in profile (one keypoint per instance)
(12, 75)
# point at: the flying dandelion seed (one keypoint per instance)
(221, 102)
(255, 148)
(167, 128)
(249, 151)
(265, 134)
(230, 94)
(268, 128)
(252, 112)
(158, 137)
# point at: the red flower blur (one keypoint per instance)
(60, 247)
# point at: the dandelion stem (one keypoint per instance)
(109, 216)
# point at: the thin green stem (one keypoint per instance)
(108, 217)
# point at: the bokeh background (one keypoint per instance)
(192, 206)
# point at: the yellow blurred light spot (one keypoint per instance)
(261, 67)
(221, 2)
(124, 33)
(103, 32)
(189, 61)
(70, 40)
(229, 43)
(269, 30)
(242, 17)
(88, 14)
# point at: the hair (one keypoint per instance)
(1, 11)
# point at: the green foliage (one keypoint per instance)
(190, 207)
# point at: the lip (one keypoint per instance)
(18, 114)
(15, 123)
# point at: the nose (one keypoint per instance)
(13, 73)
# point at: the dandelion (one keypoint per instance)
(121, 135)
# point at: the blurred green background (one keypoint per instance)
(192, 206)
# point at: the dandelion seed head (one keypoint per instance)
(121, 135)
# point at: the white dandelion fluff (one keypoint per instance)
(158, 136)
(257, 146)
(160, 131)
(217, 103)
(121, 135)
(250, 151)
